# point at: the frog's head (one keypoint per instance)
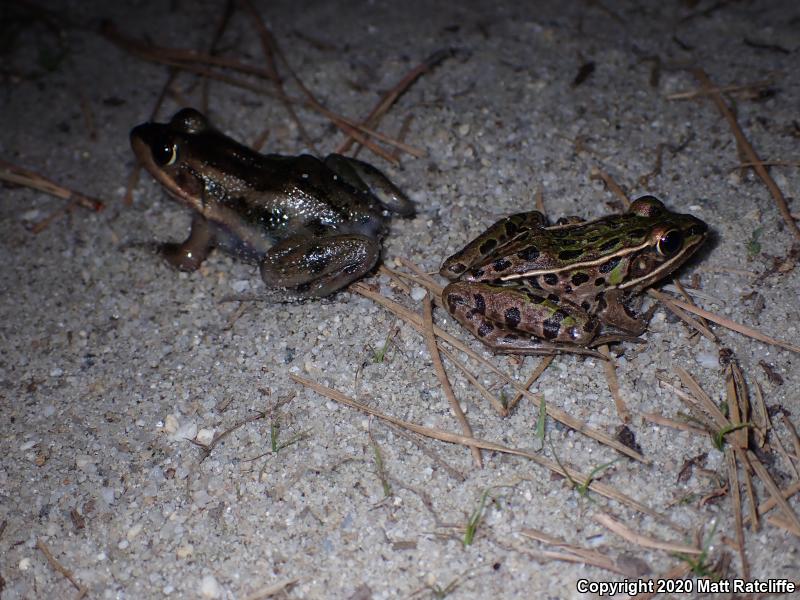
(670, 240)
(191, 159)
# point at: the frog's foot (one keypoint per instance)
(312, 267)
(366, 178)
(491, 242)
(184, 257)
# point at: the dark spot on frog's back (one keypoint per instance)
(480, 303)
(609, 266)
(488, 246)
(637, 233)
(501, 264)
(512, 316)
(601, 302)
(606, 246)
(453, 300)
(457, 268)
(530, 253)
(579, 279)
(511, 228)
(485, 329)
(552, 326)
(569, 254)
(550, 279)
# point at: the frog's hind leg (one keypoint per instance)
(502, 339)
(312, 267)
(491, 241)
(507, 320)
(367, 179)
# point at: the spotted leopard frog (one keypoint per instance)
(527, 288)
(312, 225)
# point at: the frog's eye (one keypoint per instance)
(165, 154)
(669, 243)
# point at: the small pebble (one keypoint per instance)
(709, 360)
(171, 424)
(25, 564)
(134, 531)
(240, 285)
(418, 293)
(209, 588)
(108, 494)
(205, 436)
(187, 431)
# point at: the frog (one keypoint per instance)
(526, 287)
(312, 225)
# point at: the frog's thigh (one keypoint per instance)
(189, 255)
(317, 266)
(484, 308)
(366, 178)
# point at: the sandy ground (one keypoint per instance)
(111, 362)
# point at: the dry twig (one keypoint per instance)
(537, 372)
(578, 554)
(749, 152)
(454, 438)
(613, 385)
(631, 536)
(190, 61)
(390, 97)
(25, 177)
(430, 339)
(559, 415)
(82, 590)
(272, 590)
(733, 325)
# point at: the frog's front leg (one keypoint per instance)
(612, 311)
(312, 267)
(505, 318)
(367, 179)
(487, 243)
(190, 254)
